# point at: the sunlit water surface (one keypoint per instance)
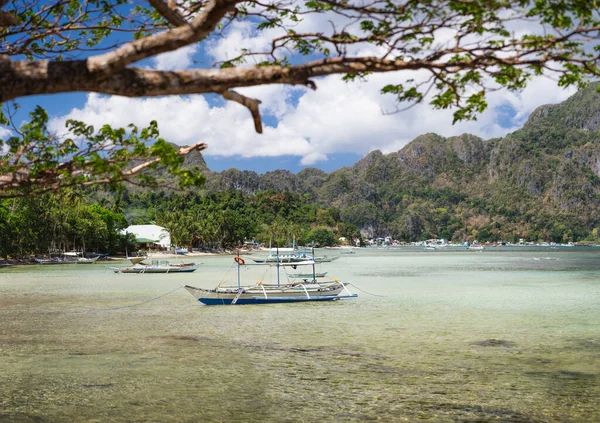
(493, 336)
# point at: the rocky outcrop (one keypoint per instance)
(470, 149)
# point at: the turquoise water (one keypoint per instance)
(493, 336)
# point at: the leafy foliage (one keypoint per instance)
(36, 161)
(440, 190)
(65, 221)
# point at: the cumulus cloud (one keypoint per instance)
(5, 132)
(227, 129)
(177, 59)
(243, 36)
(338, 117)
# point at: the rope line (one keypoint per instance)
(138, 304)
(365, 292)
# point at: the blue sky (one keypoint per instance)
(329, 128)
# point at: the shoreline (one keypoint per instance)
(30, 260)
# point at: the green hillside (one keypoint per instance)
(538, 183)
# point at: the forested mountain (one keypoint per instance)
(538, 183)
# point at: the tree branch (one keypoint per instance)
(164, 42)
(183, 151)
(52, 181)
(250, 103)
(171, 15)
(22, 78)
(7, 19)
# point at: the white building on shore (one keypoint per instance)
(151, 235)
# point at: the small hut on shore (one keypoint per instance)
(150, 236)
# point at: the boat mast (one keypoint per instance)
(277, 261)
(238, 269)
(313, 265)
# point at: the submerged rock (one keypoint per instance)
(494, 343)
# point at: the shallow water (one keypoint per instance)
(80, 343)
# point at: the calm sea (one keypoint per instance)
(492, 336)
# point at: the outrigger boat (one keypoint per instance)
(261, 293)
(70, 257)
(294, 257)
(137, 260)
(54, 260)
(157, 266)
(85, 260)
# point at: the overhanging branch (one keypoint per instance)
(250, 103)
(20, 178)
(164, 42)
(7, 19)
(171, 15)
(21, 78)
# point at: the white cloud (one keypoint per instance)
(5, 132)
(177, 59)
(228, 129)
(337, 117)
(242, 35)
(541, 90)
(239, 37)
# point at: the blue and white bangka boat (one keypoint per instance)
(260, 293)
(270, 294)
(157, 266)
(294, 258)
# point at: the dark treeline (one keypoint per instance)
(68, 221)
(226, 219)
(93, 220)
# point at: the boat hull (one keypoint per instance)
(295, 293)
(50, 261)
(295, 259)
(270, 300)
(83, 260)
(153, 270)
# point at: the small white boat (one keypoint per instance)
(56, 260)
(85, 260)
(136, 260)
(476, 247)
(157, 266)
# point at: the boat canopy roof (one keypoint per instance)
(297, 263)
